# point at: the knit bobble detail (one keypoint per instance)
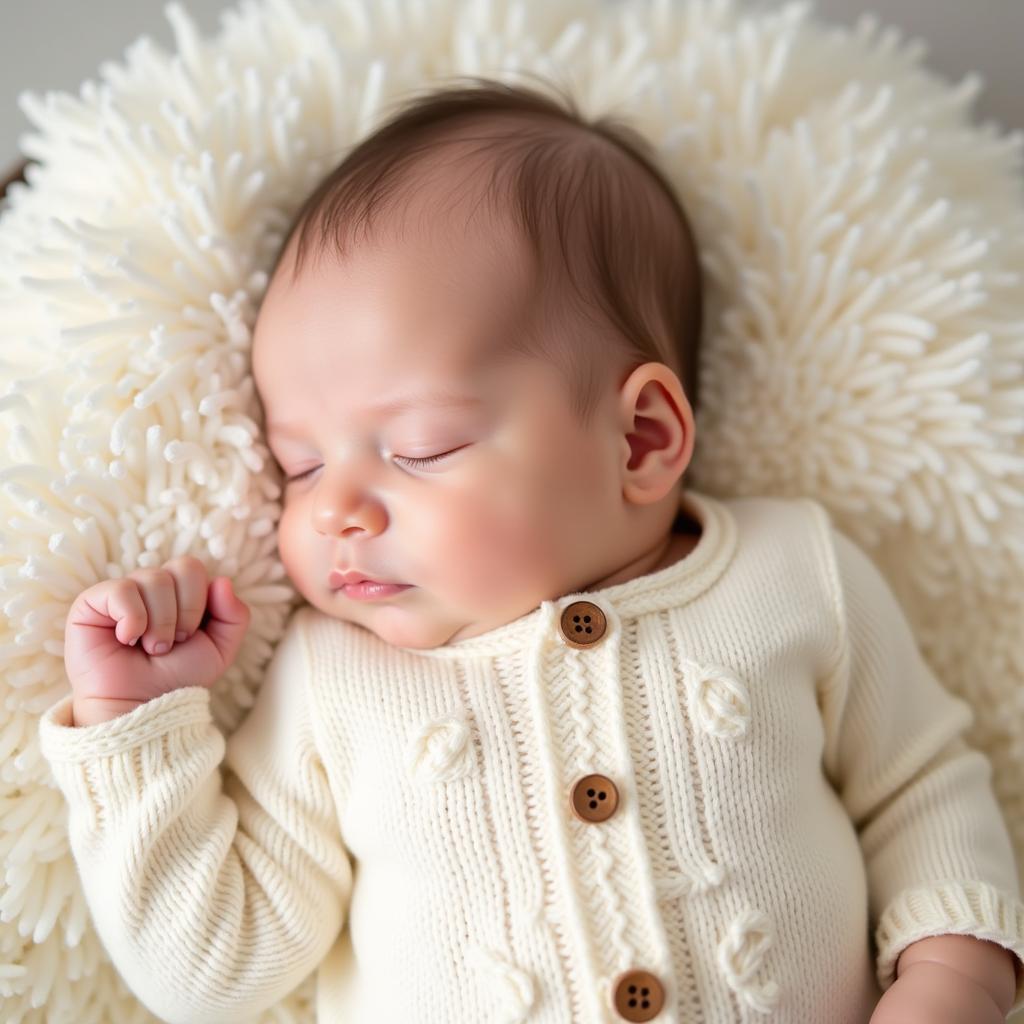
(512, 987)
(719, 699)
(711, 875)
(442, 750)
(679, 885)
(740, 955)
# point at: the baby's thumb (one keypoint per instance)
(229, 618)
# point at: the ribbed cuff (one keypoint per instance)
(60, 741)
(951, 908)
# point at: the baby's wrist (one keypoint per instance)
(96, 710)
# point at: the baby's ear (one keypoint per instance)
(658, 433)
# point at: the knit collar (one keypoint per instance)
(670, 587)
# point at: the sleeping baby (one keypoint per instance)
(553, 738)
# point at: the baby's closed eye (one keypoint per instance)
(404, 459)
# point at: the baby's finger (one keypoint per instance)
(191, 583)
(158, 593)
(114, 602)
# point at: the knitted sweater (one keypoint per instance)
(781, 801)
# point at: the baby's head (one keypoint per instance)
(517, 312)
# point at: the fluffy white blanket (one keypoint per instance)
(863, 243)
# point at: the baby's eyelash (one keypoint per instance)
(421, 462)
(432, 458)
(401, 458)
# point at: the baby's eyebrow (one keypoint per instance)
(394, 405)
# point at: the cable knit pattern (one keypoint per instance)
(796, 805)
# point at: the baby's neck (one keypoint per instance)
(679, 546)
(674, 547)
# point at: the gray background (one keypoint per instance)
(55, 44)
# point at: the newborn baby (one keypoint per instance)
(555, 738)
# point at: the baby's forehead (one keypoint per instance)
(435, 310)
(421, 265)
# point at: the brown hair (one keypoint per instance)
(587, 194)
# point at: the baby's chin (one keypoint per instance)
(399, 627)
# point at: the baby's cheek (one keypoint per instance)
(291, 548)
(499, 543)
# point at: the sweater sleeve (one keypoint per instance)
(937, 851)
(215, 893)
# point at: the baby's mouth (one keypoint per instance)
(368, 590)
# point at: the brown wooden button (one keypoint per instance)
(594, 798)
(583, 623)
(637, 995)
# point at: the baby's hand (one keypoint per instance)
(109, 669)
(927, 992)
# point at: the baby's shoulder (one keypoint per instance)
(783, 561)
(782, 531)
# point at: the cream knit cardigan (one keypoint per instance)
(796, 805)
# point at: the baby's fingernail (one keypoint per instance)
(161, 648)
(133, 642)
(179, 636)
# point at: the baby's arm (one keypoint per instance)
(936, 849)
(213, 895)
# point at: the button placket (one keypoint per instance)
(637, 995)
(592, 798)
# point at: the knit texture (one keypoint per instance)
(796, 805)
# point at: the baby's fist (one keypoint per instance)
(156, 630)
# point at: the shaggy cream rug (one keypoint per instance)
(863, 243)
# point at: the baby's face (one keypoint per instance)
(513, 512)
